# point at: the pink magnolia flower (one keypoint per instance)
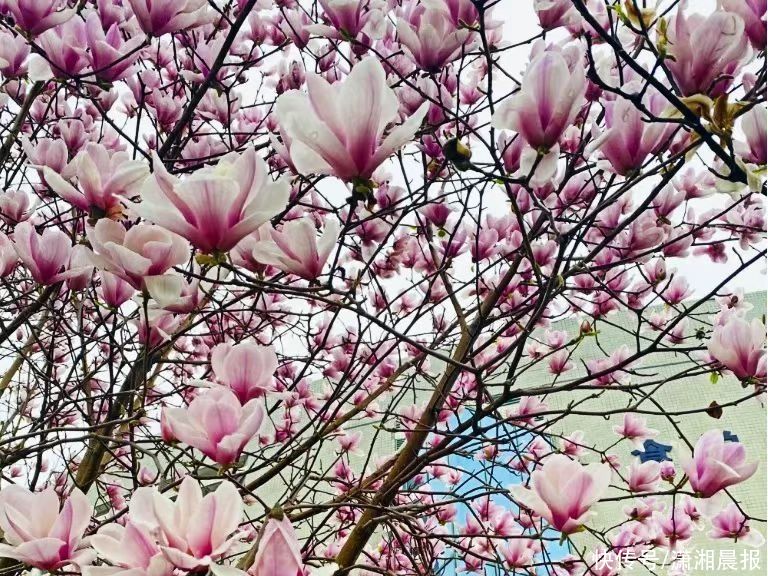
(555, 13)
(691, 508)
(172, 293)
(732, 302)
(111, 57)
(437, 213)
(37, 533)
(600, 365)
(462, 12)
(36, 16)
(216, 424)
(194, 530)
(339, 129)
(753, 124)
(46, 152)
(707, 50)
(102, 178)
(753, 14)
(242, 254)
(8, 256)
(295, 248)
(629, 139)
(573, 444)
(676, 526)
(112, 12)
(158, 17)
(695, 184)
(518, 552)
(215, 207)
(560, 362)
(349, 442)
(548, 101)
(45, 255)
(668, 471)
(634, 428)
(156, 326)
(14, 51)
(65, 47)
(739, 345)
(732, 524)
(644, 477)
(279, 551)
(348, 18)
(642, 509)
(142, 251)
(114, 290)
(15, 207)
(429, 35)
(79, 268)
(716, 464)
(295, 25)
(246, 369)
(564, 491)
(131, 550)
(483, 244)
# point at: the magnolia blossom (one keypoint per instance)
(171, 292)
(131, 550)
(644, 477)
(14, 51)
(216, 424)
(156, 326)
(194, 530)
(111, 57)
(676, 526)
(706, 50)
(46, 152)
(65, 47)
(295, 248)
(8, 256)
(753, 14)
(339, 129)
(80, 268)
(102, 178)
(36, 16)
(555, 13)
(158, 17)
(753, 124)
(716, 464)
(611, 376)
(15, 206)
(348, 18)
(563, 491)
(629, 139)
(37, 533)
(349, 443)
(45, 255)
(246, 369)
(519, 552)
(430, 36)
(551, 95)
(215, 207)
(668, 471)
(739, 345)
(114, 290)
(135, 254)
(279, 552)
(634, 428)
(732, 524)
